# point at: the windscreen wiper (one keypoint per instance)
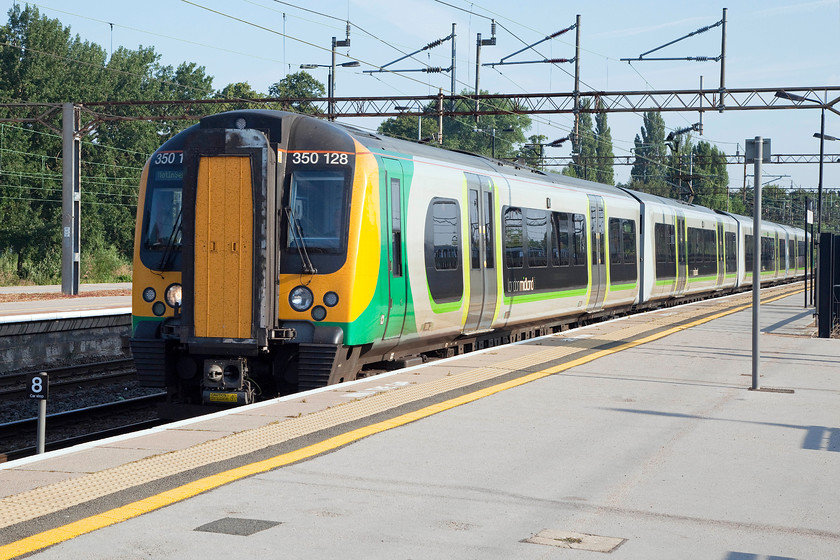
(297, 233)
(170, 244)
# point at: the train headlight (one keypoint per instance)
(173, 295)
(301, 298)
(149, 295)
(331, 299)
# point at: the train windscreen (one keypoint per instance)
(318, 201)
(163, 227)
(160, 235)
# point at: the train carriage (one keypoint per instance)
(277, 252)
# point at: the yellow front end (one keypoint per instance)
(355, 282)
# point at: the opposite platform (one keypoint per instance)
(654, 441)
(41, 303)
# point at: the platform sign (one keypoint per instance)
(752, 150)
(38, 386)
(38, 389)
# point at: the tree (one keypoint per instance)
(711, 182)
(584, 149)
(531, 154)
(493, 134)
(603, 147)
(300, 85)
(238, 90)
(407, 126)
(679, 167)
(649, 170)
(43, 62)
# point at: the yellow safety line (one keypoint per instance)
(89, 524)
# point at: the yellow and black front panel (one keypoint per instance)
(223, 247)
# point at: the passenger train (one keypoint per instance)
(277, 252)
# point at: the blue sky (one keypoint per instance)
(769, 44)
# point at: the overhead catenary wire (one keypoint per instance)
(548, 123)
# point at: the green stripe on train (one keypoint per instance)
(544, 296)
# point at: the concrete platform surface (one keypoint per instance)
(90, 298)
(658, 450)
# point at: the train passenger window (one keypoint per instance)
(622, 251)
(695, 256)
(490, 258)
(731, 252)
(537, 229)
(442, 251)
(782, 253)
(628, 234)
(561, 251)
(396, 229)
(666, 250)
(475, 232)
(749, 246)
(514, 257)
(616, 254)
(445, 234)
(702, 251)
(768, 254)
(708, 246)
(580, 240)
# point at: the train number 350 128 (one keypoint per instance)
(313, 158)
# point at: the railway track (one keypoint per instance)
(86, 402)
(13, 385)
(64, 429)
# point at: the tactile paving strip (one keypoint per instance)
(67, 493)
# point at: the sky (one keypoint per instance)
(773, 43)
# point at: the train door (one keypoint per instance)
(396, 265)
(780, 254)
(223, 259)
(682, 255)
(483, 283)
(721, 255)
(597, 229)
(781, 265)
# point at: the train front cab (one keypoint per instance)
(256, 290)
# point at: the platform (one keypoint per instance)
(638, 436)
(44, 303)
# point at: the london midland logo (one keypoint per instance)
(524, 285)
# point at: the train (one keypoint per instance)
(277, 252)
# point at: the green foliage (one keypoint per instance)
(532, 153)
(300, 85)
(603, 148)
(592, 151)
(709, 176)
(649, 172)
(584, 149)
(104, 263)
(43, 62)
(493, 135)
(238, 90)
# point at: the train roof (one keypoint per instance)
(270, 122)
(382, 143)
(655, 200)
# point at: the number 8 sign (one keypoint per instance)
(38, 385)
